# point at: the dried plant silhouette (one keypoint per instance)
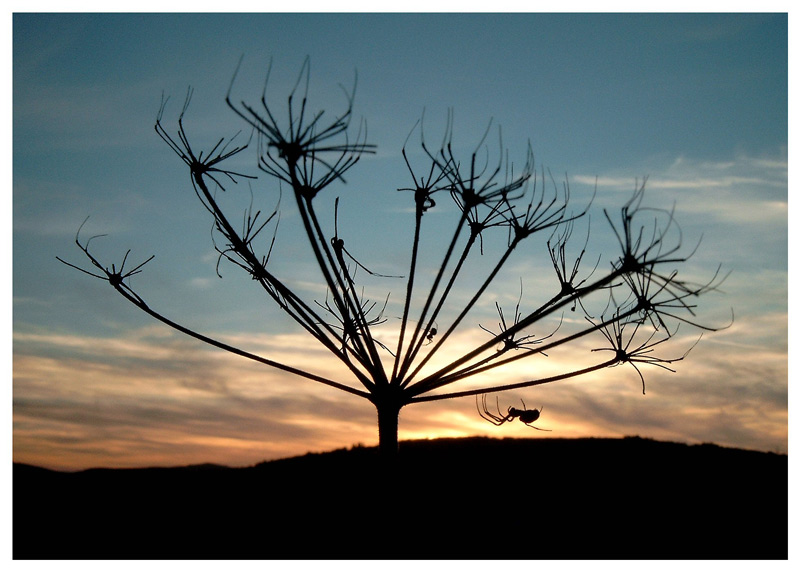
(638, 294)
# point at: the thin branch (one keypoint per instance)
(510, 386)
(116, 279)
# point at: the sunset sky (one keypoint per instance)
(696, 103)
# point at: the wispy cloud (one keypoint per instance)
(168, 402)
(151, 397)
(746, 190)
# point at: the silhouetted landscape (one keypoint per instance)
(470, 498)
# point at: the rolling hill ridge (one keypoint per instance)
(468, 498)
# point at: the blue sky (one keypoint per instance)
(697, 103)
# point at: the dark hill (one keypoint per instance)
(472, 498)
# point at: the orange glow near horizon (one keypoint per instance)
(187, 404)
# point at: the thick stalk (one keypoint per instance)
(388, 418)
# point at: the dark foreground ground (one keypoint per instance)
(453, 498)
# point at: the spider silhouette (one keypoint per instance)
(527, 416)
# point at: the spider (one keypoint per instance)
(431, 333)
(527, 416)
